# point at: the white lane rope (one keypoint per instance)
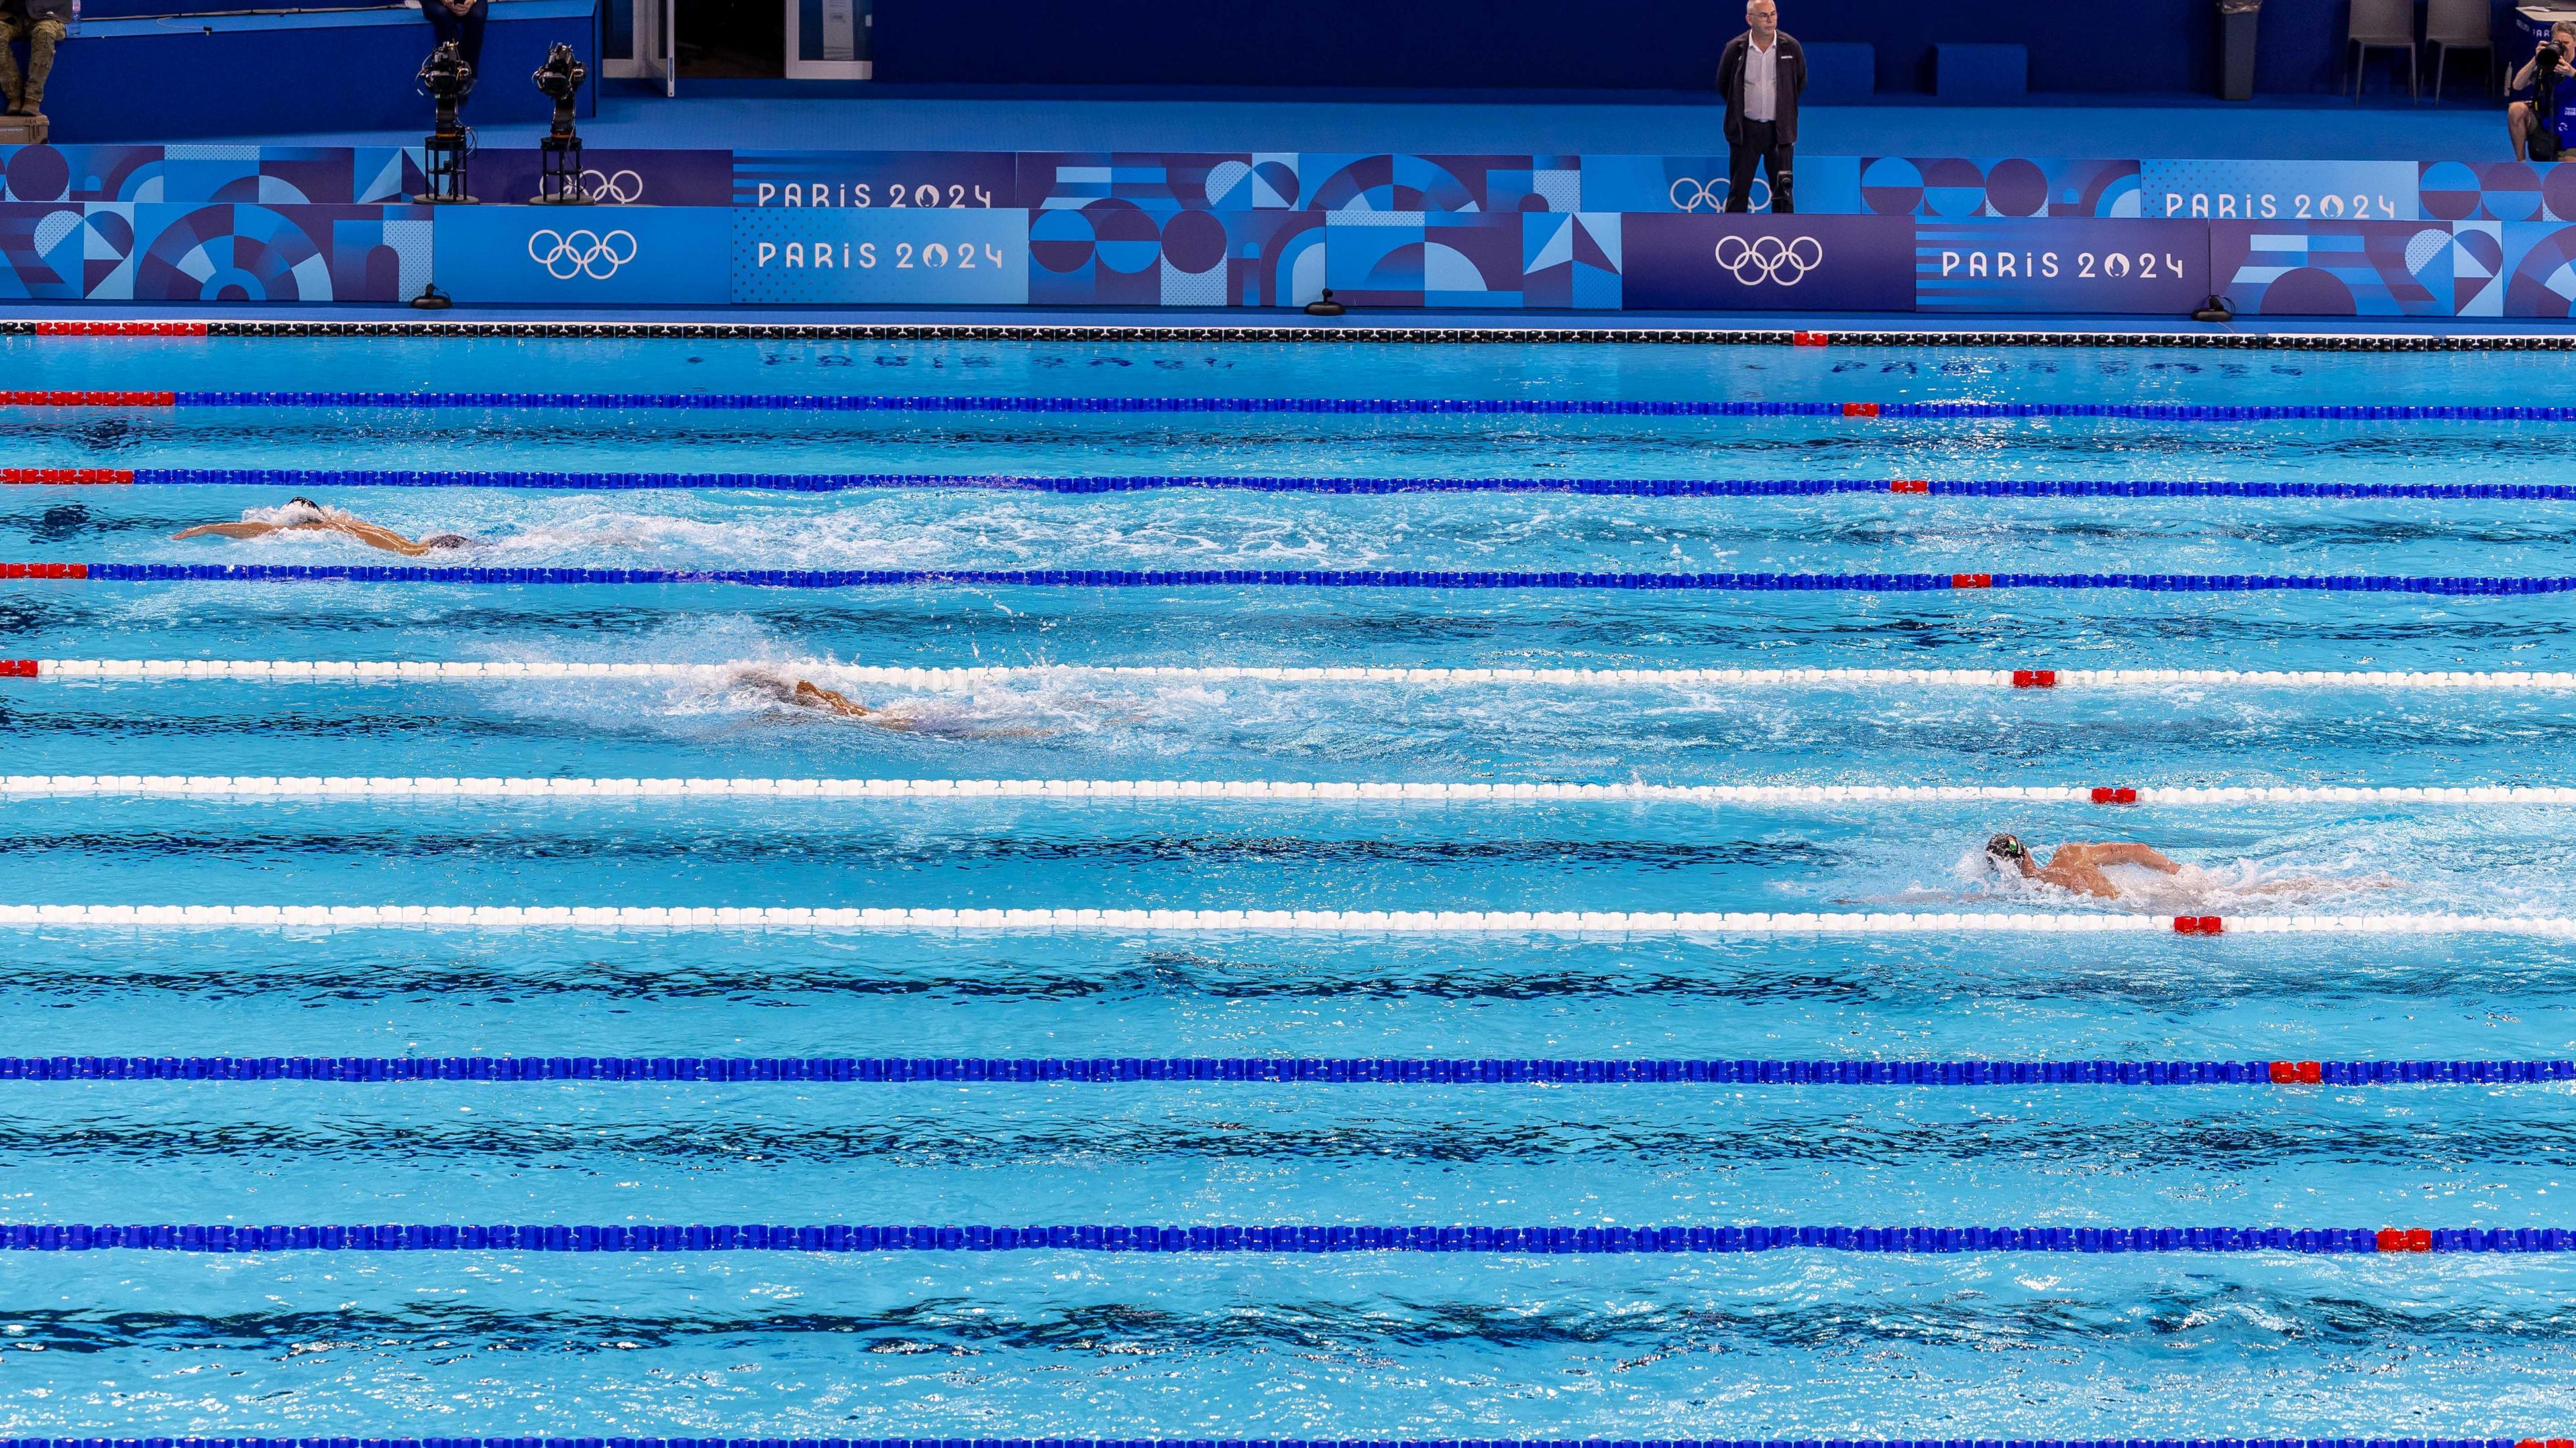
(1293, 791)
(1328, 922)
(413, 670)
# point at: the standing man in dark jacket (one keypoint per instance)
(1760, 76)
(40, 24)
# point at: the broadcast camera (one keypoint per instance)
(560, 80)
(559, 150)
(446, 79)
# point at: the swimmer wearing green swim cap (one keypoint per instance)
(2077, 868)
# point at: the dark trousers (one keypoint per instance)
(466, 29)
(1761, 142)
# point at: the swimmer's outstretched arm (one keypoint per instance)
(2115, 853)
(368, 533)
(230, 530)
(371, 535)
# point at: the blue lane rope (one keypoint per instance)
(636, 1442)
(1299, 1239)
(301, 478)
(1302, 578)
(1458, 1071)
(1381, 406)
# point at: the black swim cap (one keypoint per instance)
(447, 540)
(2007, 847)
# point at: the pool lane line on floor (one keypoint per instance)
(1330, 1070)
(1267, 922)
(1298, 1239)
(306, 478)
(970, 676)
(1372, 578)
(1299, 406)
(1293, 791)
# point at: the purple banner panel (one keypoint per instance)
(1680, 262)
(895, 180)
(2359, 268)
(2496, 191)
(2540, 269)
(2061, 265)
(614, 178)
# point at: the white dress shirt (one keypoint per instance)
(1761, 81)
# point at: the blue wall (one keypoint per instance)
(2136, 46)
(146, 80)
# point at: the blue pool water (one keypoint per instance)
(1786, 1344)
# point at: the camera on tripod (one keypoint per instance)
(559, 158)
(446, 79)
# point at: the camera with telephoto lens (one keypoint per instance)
(2545, 60)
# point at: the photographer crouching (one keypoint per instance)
(2534, 123)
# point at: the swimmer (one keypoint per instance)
(805, 694)
(303, 515)
(2078, 868)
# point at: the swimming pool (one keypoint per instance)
(1430, 1098)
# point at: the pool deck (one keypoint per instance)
(781, 115)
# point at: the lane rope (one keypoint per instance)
(1297, 1239)
(637, 1442)
(430, 670)
(1342, 406)
(306, 478)
(1274, 790)
(1283, 578)
(1331, 1070)
(1327, 922)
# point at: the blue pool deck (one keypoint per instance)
(823, 116)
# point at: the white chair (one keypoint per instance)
(2381, 25)
(2451, 25)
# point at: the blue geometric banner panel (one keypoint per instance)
(1237, 229)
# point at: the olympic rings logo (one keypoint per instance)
(581, 253)
(1689, 194)
(1769, 259)
(618, 188)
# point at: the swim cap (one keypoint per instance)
(447, 540)
(2007, 847)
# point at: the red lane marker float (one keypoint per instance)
(2034, 678)
(120, 329)
(53, 476)
(87, 399)
(1860, 409)
(17, 668)
(2200, 925)
(1972, 580)
(44, 570)
(1910, 485)
(2298, 1073)
(1809, 339)
(2401, 1239)
(2106, 794)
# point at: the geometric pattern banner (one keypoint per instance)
(212, 252)
(2360, 268)
(1382, 230)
